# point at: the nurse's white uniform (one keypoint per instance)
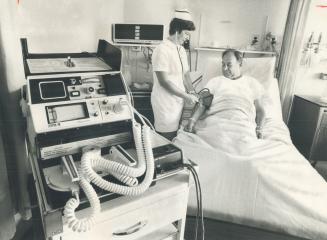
(167, 107)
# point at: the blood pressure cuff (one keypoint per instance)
(205, 97)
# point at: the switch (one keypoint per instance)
(75, 93)
(102, 91)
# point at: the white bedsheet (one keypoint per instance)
(259, 182)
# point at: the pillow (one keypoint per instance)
(261, 69)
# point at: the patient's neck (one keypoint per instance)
(235, 78)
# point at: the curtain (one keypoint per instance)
(7, 222)
(291, 52)
(13, 127)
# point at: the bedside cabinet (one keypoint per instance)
(142, 103)
(157, 214)
(308, 127)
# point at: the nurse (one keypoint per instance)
(172, 77)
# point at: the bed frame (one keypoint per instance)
(221, 230)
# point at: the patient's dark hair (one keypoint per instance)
(178, 25)
(238, 55)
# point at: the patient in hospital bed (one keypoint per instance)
(234, 89)
(262, 182)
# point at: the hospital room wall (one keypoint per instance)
(308, 81)
(236, 23)
(49, 26)
(218, 23)
(136, 66)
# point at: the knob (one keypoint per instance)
(90, 90)
(69, 62)
(105, 101)
(96, 114)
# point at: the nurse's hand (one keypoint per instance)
(191, 99)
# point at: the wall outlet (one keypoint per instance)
(257, 36)
(323, 76)
(137, 48)
(255, 39)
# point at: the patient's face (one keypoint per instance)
(231, 68)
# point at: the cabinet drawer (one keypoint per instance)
(137, 222)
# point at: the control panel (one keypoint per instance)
(62, 102)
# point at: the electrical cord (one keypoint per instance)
(147, 121)
(199, 214)
(190, 54)
(180, 59)
(200, 208)
(130, 95)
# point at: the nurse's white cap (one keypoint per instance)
(183, 14)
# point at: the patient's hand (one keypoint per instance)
(190, 125)
(259, 132)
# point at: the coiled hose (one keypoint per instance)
(85, 224)
(93, 160)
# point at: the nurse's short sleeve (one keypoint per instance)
(257, 88)
(160, 60)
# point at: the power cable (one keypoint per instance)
(199, 214)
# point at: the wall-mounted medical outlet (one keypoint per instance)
(323, 76)
(255, 39)
(137, 48)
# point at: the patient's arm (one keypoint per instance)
(260, 115)
(199, 110)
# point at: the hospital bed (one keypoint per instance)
(272, 186)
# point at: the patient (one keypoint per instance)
(262, 182)
(236, 97)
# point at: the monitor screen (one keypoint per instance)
(52, 90)
(68, 112)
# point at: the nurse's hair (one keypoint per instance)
(238, 55)
(178, 25)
